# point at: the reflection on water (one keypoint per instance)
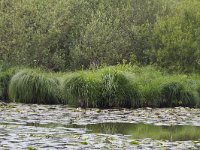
(140, 131)
(137, 131)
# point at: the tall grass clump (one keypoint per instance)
(34, 86)
(179, 90)
(150, 93)
(108, 87)
(149, 80)
(5, 77)
(169, 91)
(82, 89)
(196, 78)
(118, 90)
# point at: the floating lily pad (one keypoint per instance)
(134, 143)
(31, 148)
(84, 143)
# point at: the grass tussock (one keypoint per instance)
(109, 87)
(105, 88)
(118, 90)
(82, 89)
(5, 77)
(34, 86)
(179, 91)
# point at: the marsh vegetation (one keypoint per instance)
(117, 86)
(112, 74)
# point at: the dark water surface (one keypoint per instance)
(140, 131)
(136, 131)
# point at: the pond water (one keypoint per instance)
(61, 127)
(135, 131)
(141, 131)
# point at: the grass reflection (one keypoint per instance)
(140, 131)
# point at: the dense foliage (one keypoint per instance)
(74, 34)
(107, 87)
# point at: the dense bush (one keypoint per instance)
(169, 91)
(74, 34)
(176, 38)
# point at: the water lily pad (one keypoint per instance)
(84, 143)
(98, 110)
(134, 143)
(31, 148)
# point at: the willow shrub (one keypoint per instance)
(82, 89)
(34, 86)
(5, 78)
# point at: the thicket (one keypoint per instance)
(107, 87)
(74, 34)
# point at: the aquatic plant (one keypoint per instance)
(34, 86)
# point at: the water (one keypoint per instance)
(62, 127)
(136, 131)
(140, 131)
(60, 136)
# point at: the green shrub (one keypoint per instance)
(196, 80)
(175, 38)
(34, 86)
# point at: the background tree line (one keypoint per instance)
(73, 34)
